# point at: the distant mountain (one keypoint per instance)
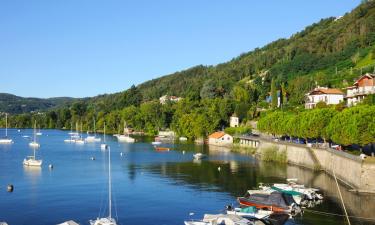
(14, 104)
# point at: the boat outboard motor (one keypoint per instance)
(229, 207)
(295, 209)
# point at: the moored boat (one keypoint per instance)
(274, 201)
(162, 149)
(215, 219)
(6, 139)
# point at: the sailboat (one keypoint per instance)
(72, 134)
(34, 143)
(92, 138)
(31, 160)
(104, 146)
(125, 137)
(80, 139)
(107, 220)
(6, 140)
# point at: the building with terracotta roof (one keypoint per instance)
(220, 138)
(330, 96)
(365, 85)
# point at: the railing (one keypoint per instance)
(361, 92)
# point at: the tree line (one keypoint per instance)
(355, 125)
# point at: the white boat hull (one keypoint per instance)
(156, 143)
(81, 142)
(92, 139)
(32, 162)
(34, 144)
(6, 141)
(103, 221)
(123, 138)
(103, 146)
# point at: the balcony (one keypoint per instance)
(361, 91)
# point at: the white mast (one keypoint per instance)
(6, 124)
(94, 127)
(109, 183)
(34, 134)
(104, 133)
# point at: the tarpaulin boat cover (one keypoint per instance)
(226, 219)
(274, 198)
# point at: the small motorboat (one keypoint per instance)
(39, 134)
(199, 155)
(162, 149)
(274, 201)
(259, 216)
(251, 212)
(156, 143)
(222, 219)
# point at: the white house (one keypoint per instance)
(364, 86)
(330, 96)
(166, 98)
(234, 121)
(220, 138)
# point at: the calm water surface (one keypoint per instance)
(149, 188)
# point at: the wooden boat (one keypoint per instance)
(162, 149)
(274, 201)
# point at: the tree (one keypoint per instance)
(208, 90)
(355, 125)
(274, 99)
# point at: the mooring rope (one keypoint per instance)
(335, 214)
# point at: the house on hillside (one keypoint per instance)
(362, 87)
(234, 121)
(220, 139)
(166, 98)
(330, 96)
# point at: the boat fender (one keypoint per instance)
(10, 188)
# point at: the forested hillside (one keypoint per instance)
(332, 52)
(15, 105)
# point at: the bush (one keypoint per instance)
(237, 130)
(273, 154)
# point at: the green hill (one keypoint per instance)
(14, 104)
(332, 52)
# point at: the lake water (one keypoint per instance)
(149, 187)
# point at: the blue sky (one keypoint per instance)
(84, 48)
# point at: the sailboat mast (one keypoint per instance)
(6, 124)
(109, 183)
(34, 132)
(104, 133)
(94, 127)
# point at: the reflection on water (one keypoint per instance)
(166, 186)
(235, 177)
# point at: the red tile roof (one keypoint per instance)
(217, 135)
